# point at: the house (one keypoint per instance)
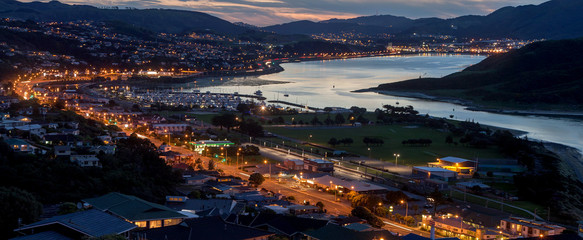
(303, 209)
(291, 226)
(205, 228)
(293, 164)
(86, 160)
(33, 129)
(456, 227)
(459, 165)
(318, 165)
(62, 151)
(198, 179)
(142, 213)
(334, 232)
(224, 207)
(107, 149)
(79, 225)
(19, 145)
(516, 226)
(165, 148)
(441, 174)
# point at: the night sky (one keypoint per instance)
(270, 12)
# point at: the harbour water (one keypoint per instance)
(329, 84)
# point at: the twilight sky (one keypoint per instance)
(270, 12)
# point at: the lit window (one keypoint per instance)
(156, 224)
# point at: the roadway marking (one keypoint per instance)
(244, 174)
(395, 225)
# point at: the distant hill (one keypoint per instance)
(158, 20)
(309, 27)
(549, 72)
(555, 19)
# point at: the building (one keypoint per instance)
(303, 209)
(142, 213)
(334, 232)
(79, 225)
(320, 165)
(580, 228)
(441, 174)
(62, 151)
(450, 226)
(166, 128)
(346, 186)
(459, 165)
(19, 145)
(86, 160)
(293, 164)
(201, 145)
(204, 228)
(522, 227)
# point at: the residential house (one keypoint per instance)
(79, 225)
(291, 226)
(86, 160)
(334, 232)
(198, 179)
(20, 145)
(62, 150)
(204, 228)
(142, 213)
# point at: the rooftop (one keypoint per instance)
(91, 222)
(433, 169)
(455, 159)
(132, 208)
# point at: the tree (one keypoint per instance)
(333, 142)
(17, 204)
(315, 121)
(211, 164)
(320, 205)
(251, 128)
(449, 139)
(328, 121)
(395, 197)
(226, 120)
(437, 199)
(198, 164)
(339, 119)
(67, 207)
(256, 179)
(364, 213)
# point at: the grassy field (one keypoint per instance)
(392, 136)
(494, 205)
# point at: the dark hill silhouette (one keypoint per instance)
(549, 72)
(158, 20)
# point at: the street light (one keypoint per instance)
(396, 157)
(406, 207)
(265, 161)
(368, 152)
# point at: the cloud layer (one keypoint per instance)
(270, 12)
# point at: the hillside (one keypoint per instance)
(555, 19)
(158, 20)
(549, 72)
(309, 27)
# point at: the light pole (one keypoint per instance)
(406, 207)
(265, 161)
(333, 190)
(369, 153)
(396, 158)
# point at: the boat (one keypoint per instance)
(286, 95)
(258, 93)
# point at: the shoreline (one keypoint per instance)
(468, 105)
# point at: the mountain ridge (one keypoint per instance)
(555, 19)
(547, 72)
